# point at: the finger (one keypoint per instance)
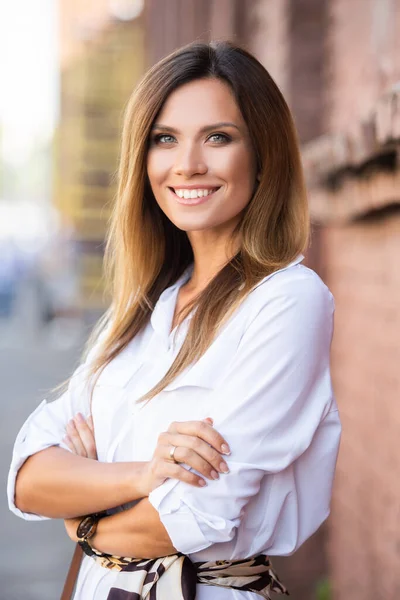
(196, 453)
(203, 430)
(174, 471)
(84, 426)
(193, 460)
(90, 423)
(68, 442)
(86, 436)
(73, 434)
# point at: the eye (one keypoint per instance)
(219, 138)
(163, 138)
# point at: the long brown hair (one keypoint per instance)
(146, 252)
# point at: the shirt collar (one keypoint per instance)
(296, 261)
(163, 313)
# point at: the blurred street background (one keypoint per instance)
(67, 68)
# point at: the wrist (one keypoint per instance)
(71, 527)
(137, 480)
(86, 530)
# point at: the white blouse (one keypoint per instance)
(265, 381)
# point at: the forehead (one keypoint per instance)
(199, 103)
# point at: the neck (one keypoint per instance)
(211, 254)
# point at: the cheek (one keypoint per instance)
(158, 165)
(238, 162)
(240, 171)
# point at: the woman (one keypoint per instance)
(212, 316)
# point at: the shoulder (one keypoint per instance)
(295, 281)
(296, 290)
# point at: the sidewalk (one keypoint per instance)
(34, 556)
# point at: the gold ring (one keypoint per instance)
(171, 453)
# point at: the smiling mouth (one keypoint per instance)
(186, 194)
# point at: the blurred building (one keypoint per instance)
(102, 57)
(338, 64)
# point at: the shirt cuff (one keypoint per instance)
(189, 527)
(24, 447)
(179, 521)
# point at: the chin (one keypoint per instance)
(189, 227)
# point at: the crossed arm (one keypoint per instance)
(62, 484)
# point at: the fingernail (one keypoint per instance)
(210, 420)
(214, 474)
(79, 418)
(224, 467)
(71, 424)
(225, 449)
(202, 482)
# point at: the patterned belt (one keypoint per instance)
(175, 576)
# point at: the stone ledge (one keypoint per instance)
(340, 185)
(354, 197)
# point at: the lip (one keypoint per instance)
(199, 186)
(193, 201)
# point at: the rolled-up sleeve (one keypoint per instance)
(275, 396)
(46, 427)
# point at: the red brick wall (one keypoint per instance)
(360, 265)
(362, 269)
(359, 262)
(289, 38)
(364, 46)
(268, 38)
(308, 65)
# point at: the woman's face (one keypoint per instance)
(201, 163)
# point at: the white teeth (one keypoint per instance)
(200, 193)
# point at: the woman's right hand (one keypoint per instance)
(198, 445)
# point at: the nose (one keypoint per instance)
(189, 162)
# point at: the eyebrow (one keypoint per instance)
(202, 130)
